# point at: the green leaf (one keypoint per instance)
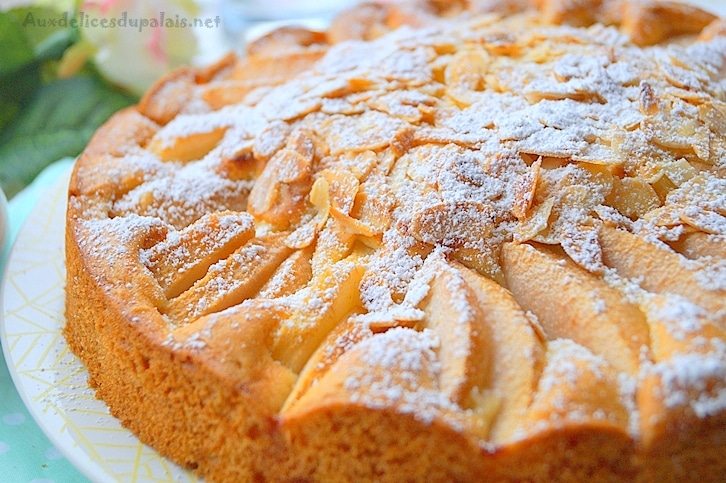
(30, 48)
(53, 46)
(38, 24)
(17, 50)
(16, 91)
(8, 112)
(58, 122)
(25, 158)
(33, 34)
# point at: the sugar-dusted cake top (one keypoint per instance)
(472, 226)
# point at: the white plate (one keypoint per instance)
(50, 379)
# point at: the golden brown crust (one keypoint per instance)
(492, 246)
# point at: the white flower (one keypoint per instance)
(135, 42)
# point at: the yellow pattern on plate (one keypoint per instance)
(49, 378)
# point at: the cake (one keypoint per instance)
(441, 241)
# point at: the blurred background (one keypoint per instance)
(67, 65)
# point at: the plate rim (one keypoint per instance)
(68, 444)
(86, 466)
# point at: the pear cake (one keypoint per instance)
(440, 241)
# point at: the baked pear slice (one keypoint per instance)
(518, 353)
(186, 148)
(465, 340)
(682, 395)
(344, 336)
(667, 272)
(376, 411)
(184, 256)
(477, 321)
(221, 340)
(230, 281)
(578, 420)
(700, 244)
(292, 275)
(572, 303)
(325, 302)
(250, 387)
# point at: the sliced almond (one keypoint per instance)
(280, 192)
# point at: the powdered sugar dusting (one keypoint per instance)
(398, 370)
(407, 160)
(695, 381)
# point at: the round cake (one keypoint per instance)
(441, 241)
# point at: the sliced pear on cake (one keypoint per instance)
(659, 269)
(572, 303)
